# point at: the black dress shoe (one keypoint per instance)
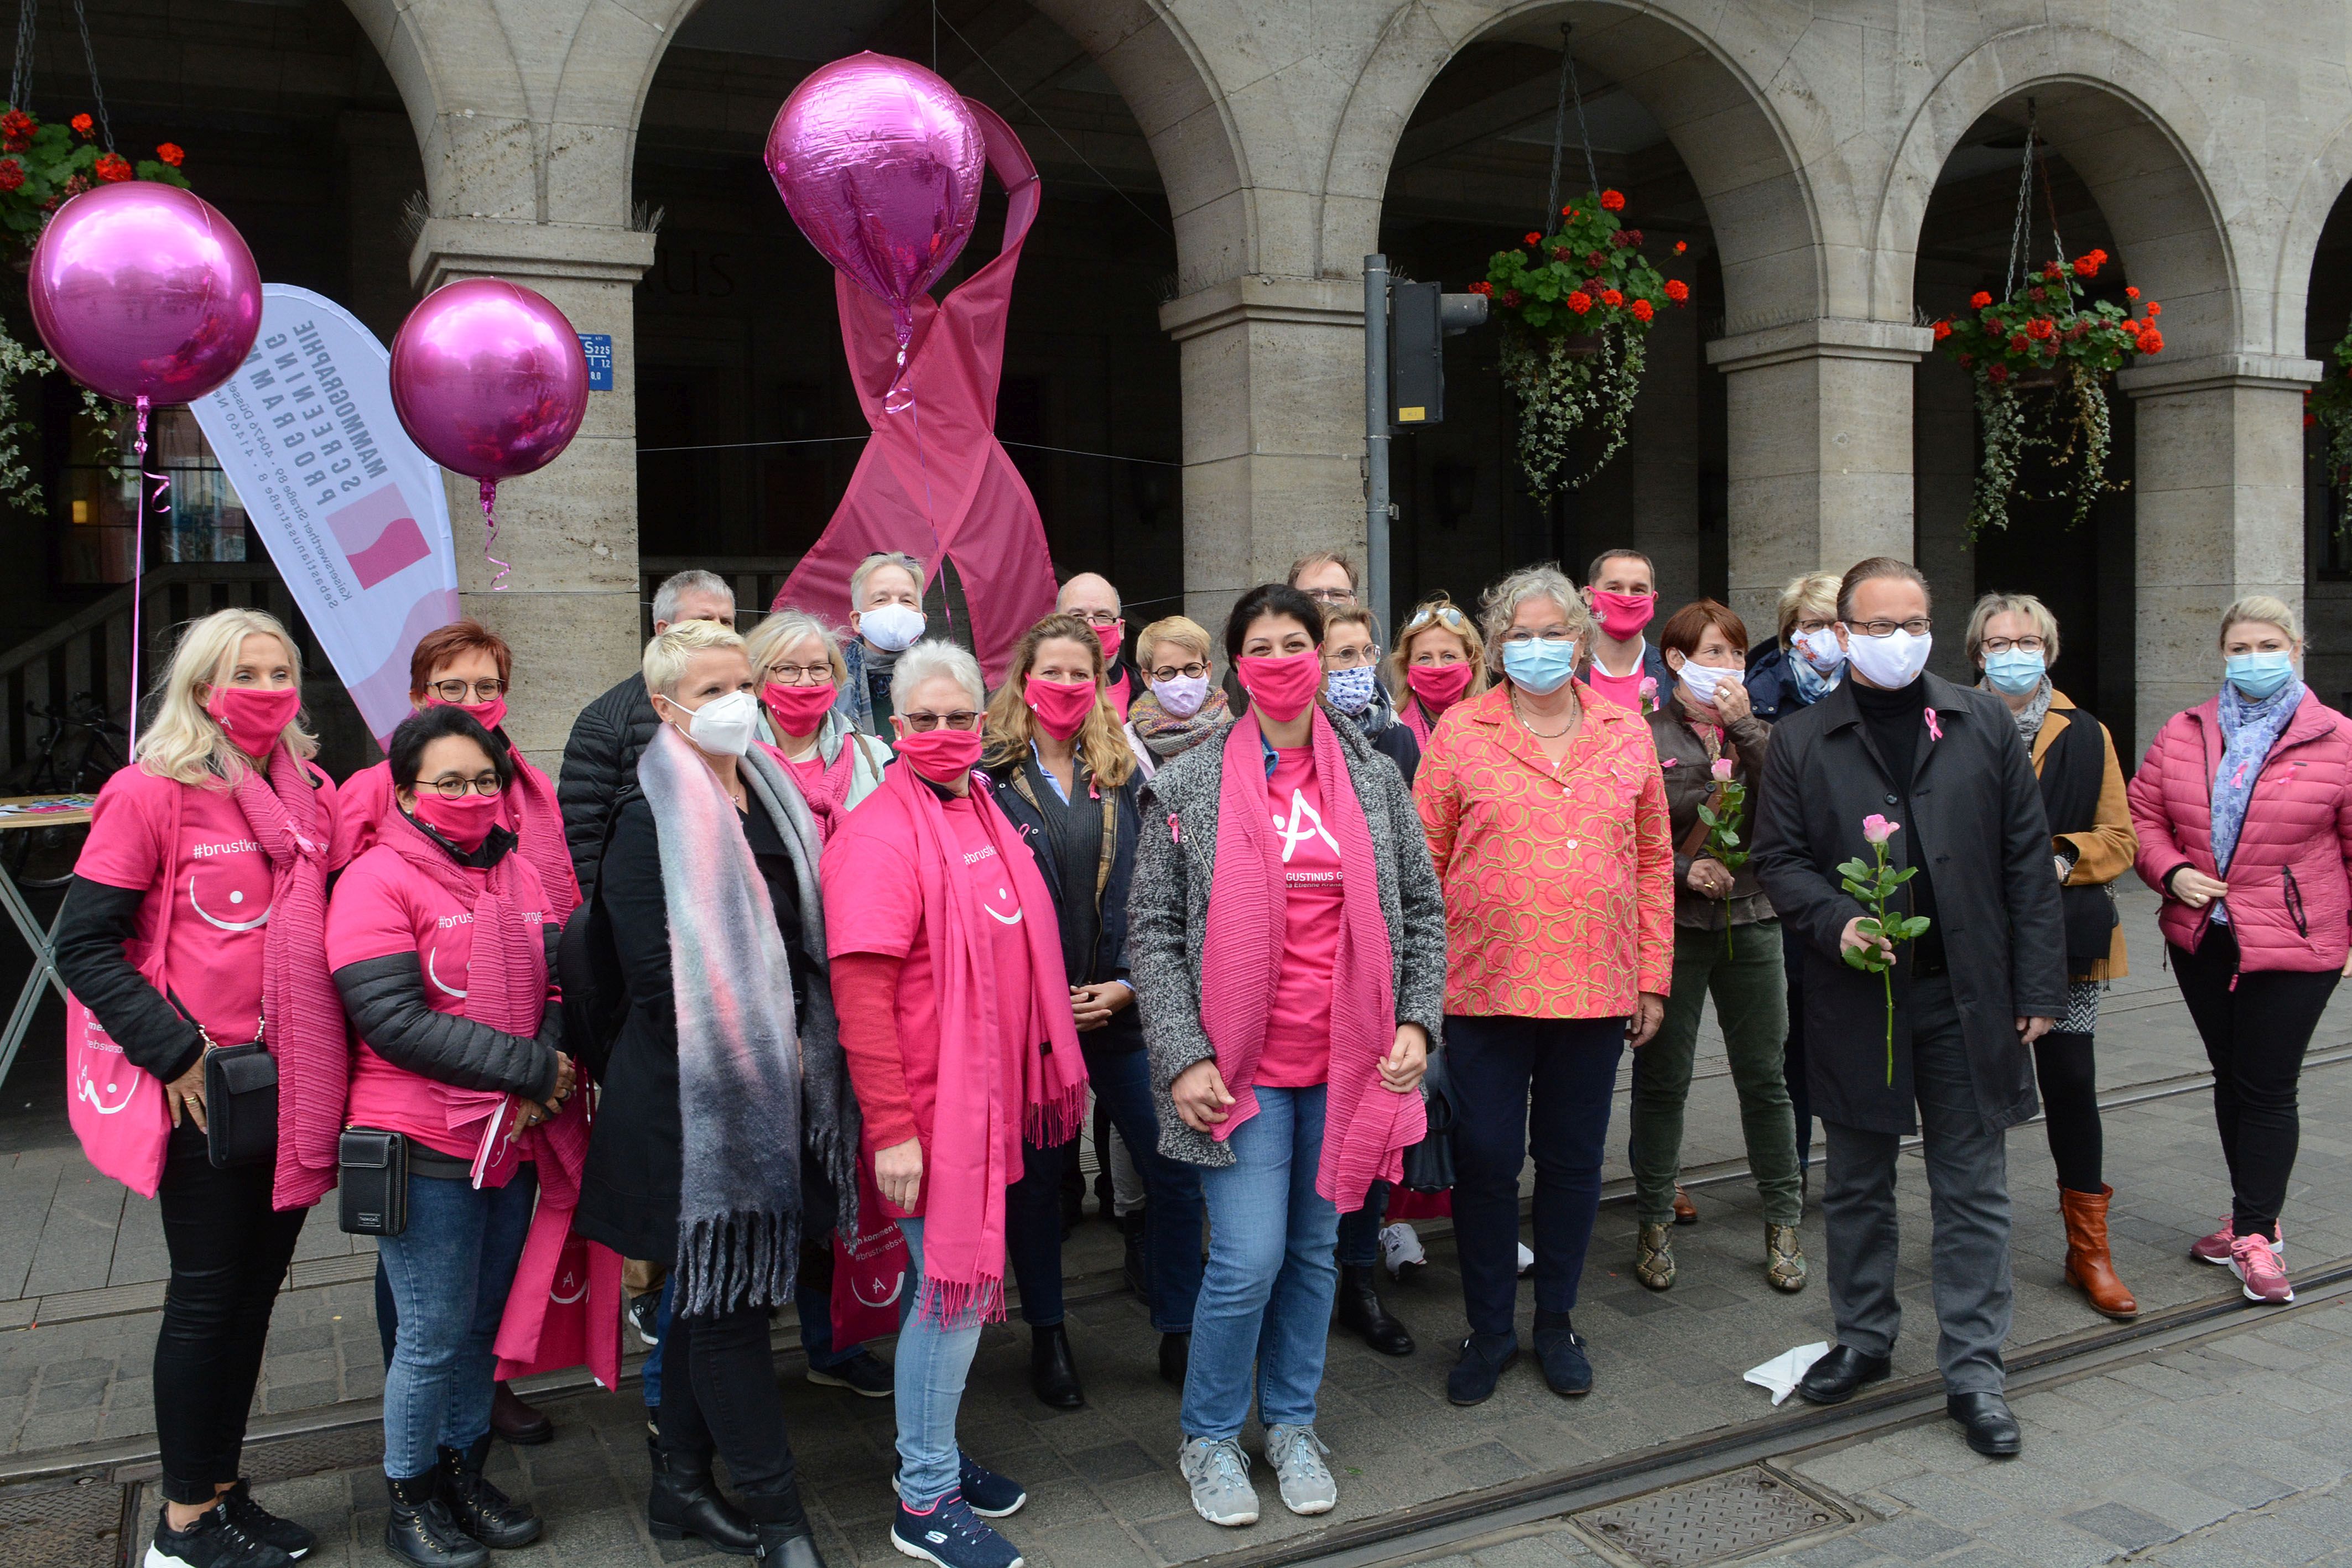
(1837, 1376)
(517, 1421)
(1053, 1375)
(1175, 1357)
(1985, 1418)
(1361, 1313)
(685, 1501)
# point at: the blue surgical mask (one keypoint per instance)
(2260, 675)
(1540, 665)
(1351, 691)
(2015, 671)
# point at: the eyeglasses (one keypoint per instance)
(1441, 613)
(1918, 626)
(1332, 595)
(799, 674)
(924, 723)
(2022, 644)
(1557, 635)
(459, 789)
(1097, 617)
(1807, 625)
(458, 691)
(1355, 659)
(1191, 672)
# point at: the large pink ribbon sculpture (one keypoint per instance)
(933, 482)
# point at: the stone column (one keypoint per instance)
(1274, 441)
(569, 606)
(1820, 461)
(2219, 510)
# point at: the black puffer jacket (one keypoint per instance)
(388, 1003)
(98, 922)
(599, 761)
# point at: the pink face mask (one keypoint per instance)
(1112, 636)
(488, 715)
(465, 821)
(797, 710)
(1061, 709)
(255, 717)
(941, 756)
(1623, 615)
(1283, 686)
(1439, 686)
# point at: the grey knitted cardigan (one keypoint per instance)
(1167, 915)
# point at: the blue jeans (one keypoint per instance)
(928, 1377)
(1032, 1221)
(1499, 1070)
(449, 1271)
(1267, 1297)
(816, 1303)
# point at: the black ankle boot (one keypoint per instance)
(788, 1545)
(422, 1530)
(685, 1501)
(1053, 1375)
(480, 1508)
(1361, 1313)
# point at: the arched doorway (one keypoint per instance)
(747, 429)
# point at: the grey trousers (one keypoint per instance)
(1967, 1188)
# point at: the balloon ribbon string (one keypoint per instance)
(139, 558)
(491, 537)
(915, 411)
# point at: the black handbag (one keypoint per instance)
(1429, 1163)
(372, 1182)
(240, 1105)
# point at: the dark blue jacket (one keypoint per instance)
(1772, 689)
(1125, 1030)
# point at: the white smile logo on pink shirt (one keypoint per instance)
(235, 897)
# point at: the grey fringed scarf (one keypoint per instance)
(740, 1064)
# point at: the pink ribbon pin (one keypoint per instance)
(1935, 730)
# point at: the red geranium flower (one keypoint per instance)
(1681, 246)
(1511, 299)
(2050, 270)
(1610, 298)
(76, 185)
(2086, 267)
(1677, 290)
(1643, 310)
(2154, 309)
(2151, 342)
(1483, 286)
(12, 174)
(2040, 326)
(15, 130)
(1980, 299)
(82, 125)
(1535, 239)
(1580, 301)
(1943, 330)
(111, 167)
(2130, 293)
(1996, 373)
(173, 153)
(2019, 342)
(1612, 201)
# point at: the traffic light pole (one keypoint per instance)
(1377, 509)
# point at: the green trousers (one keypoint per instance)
(1749, 984)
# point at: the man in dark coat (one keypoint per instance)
(1971, 994)
(600, 758)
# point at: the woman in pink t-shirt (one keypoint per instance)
(442, 938)
(1285, 864)
(797, 660)
(205, 869)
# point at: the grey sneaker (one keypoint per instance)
(1218, 1472)
(1296, 1455)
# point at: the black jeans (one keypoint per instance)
(1793, 1051)
(2069, 1077)
(719, 1390)
(229, 1250)
(2256, 1027)
(1499, 1070)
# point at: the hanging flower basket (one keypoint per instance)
(2044, 338)
(2329, 406)
(1575, 307)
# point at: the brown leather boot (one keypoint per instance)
(2088, 1268)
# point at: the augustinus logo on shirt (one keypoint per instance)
(1304, 826)
(995, 895)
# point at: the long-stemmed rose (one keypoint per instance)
(1722, 820)
(1874, 885)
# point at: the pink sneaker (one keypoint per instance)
(2257, 1268)
(2215, 1249)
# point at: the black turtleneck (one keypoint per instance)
(1897, 721)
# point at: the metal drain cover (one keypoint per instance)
(1707, 1520)
(74, 1523)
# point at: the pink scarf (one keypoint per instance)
(1366, 1129)
(302, 1011)
(540, 830)
(975, 1136)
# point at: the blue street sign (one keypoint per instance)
(598, 347)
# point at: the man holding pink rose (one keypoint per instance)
(1932, 1029)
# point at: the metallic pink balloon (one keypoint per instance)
(488, 379)
(880, 162)
(143, 290)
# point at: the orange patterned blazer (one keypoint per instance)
(1560, 898)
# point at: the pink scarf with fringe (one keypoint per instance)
(302, 1011)
(1366, 1129)
(979, 1123)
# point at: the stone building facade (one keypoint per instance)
(1825, 159)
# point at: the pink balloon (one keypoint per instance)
(143, 290)
(488, 379)
(880, 162)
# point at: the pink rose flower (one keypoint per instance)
(1877, 829)
(1649, 687)
(1721, 770)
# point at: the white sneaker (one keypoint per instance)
(1218, 1473)
(1305, 1480)
(1401, 1250)
(1526, 1257)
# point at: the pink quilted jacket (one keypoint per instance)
(2290, 895)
